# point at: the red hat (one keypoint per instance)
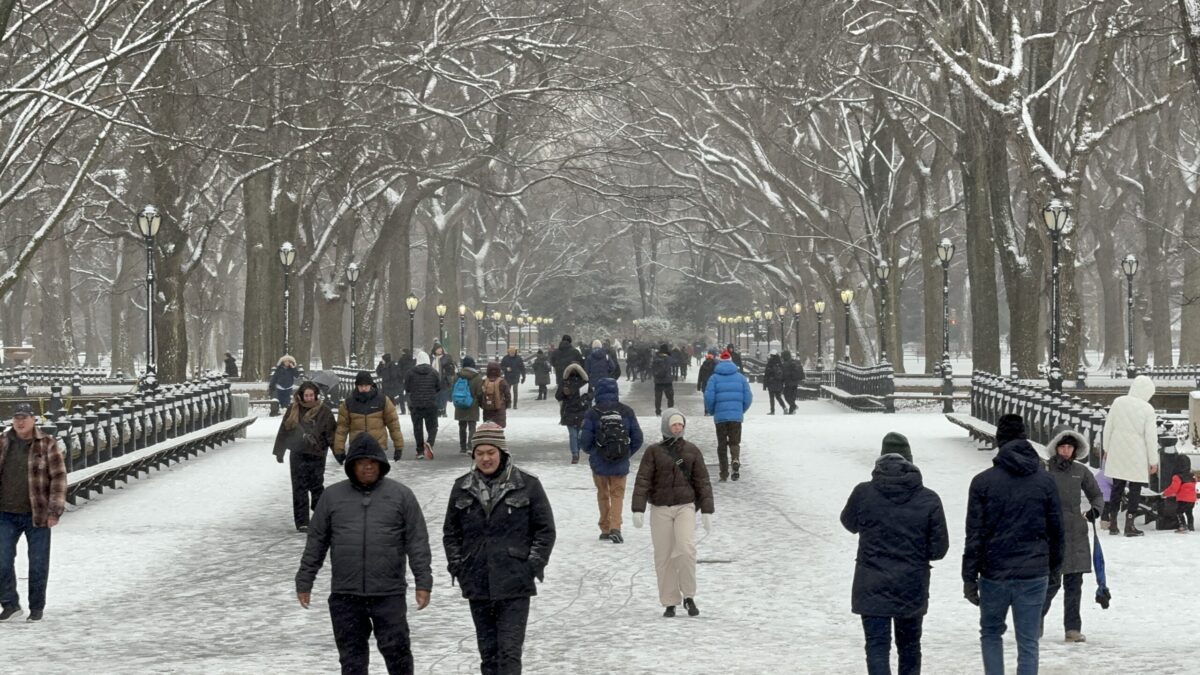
(725, 355)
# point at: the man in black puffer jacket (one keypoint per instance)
(1014, 545)
(372, 524)
(901, 528)
(422, 387)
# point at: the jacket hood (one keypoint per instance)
(1082, 448)
(896, 478)
(786, 356)
(725, 367)
(599, 353)
(1018, 458)
(565, 345)
(364, 446)
(1142, 387)
(423, 368)
(606, 390)
(666, 423)
(422, 358)
(467, 372)
(493, 369)
(1009, 427)
(575, 369)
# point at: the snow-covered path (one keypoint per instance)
(191, 570)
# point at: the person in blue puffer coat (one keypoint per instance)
(727, 397)
(608, 474)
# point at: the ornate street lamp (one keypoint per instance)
(521, 332)
(768, 317)
(411, 303)
(1129, 265)
(287, 256)
(148, 222)
(781, 312)
(758, 315)
(945, 251)
(1057, 215)
(847, 299)
(462, 331)
(796, 307)
(440, 309)
(883, 271)
(496, 316)
(819, 308)
(636, 323)
(352, 272)
(508, 320)
(479, 329)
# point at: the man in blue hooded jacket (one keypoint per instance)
(727, 397)
(610, 436)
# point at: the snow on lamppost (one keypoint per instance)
(945, 252)
(796, 307)
(496, 316)
(819, 308)
(479, 330)
(148, 222)
(411, 303)
(847, 300)
(287, 256)
(883, 271)
(1129, 265)
(462, 331)
(1057, 216)
(352, 272)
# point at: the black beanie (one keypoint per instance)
(896, 444)
(566, 338)
(363, 377)
(1009, 427)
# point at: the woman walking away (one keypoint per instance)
(773, 383)
(673, 479)
(573, 403)
(901, 528)
(307, 431)
(467, 391)
(541, 374)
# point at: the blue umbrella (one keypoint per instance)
(1103, 596)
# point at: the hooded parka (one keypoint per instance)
(1131, 434)
(1074, 481)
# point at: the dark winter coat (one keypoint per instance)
(705, 372)
(475, 382)
(901, 528)
(444, 365)
(600, 365)
(562, 357)
(231, 369)
(773, 374)
(727, 396)
(541, 370)
(371, 531)
(573, 403)
(390, 378)
(1074, 480)
(793, 371)
(607, 398)
(310, 436)
(373, 413)
(500, 414)
(512, 366)
(661, 483)
(661, 368)
(282, 379)
(498, 533)
(423, 386)
(1014, 519)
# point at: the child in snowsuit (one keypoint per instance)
(1183, 490)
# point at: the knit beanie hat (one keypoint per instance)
(1009, 427)
(363, 377)
(896, 444)
(567, 339)
(671, 416)
(664, 349)
(489, 434)
(726, 356)
(468, 362)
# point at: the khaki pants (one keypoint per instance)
(672, 530)
(610, 496)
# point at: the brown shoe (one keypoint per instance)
(574, 459)
(1075, 636)
(1130, 530)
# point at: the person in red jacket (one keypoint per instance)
(1183, 489)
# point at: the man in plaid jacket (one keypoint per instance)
(33, 495)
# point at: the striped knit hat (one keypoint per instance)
(489, 434)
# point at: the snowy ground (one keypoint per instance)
(191, 570)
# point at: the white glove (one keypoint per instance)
(639, 519)
(706, 522)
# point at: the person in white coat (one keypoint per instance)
(1130, 451)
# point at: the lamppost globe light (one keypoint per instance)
(496, 315)
(1129, 265)
(508, 318)
(149, 220)
(819, 306)
(758, 314)
(287, 253)
(440, 309)
(462, 310)
(796, 307)
(945, 250)
(479, 315)
(883, 270)
(352, 272)
(411, 302)
(521, 321)
(768, 315)
(1056, 215)
(847, 296)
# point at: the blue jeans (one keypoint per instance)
(573, 435)
(1025, 597)
(878, 633)
(37, 540)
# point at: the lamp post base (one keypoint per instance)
(1054, 379)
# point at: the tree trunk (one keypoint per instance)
(1189, 330)
(57, 346)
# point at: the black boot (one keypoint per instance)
(690, 605)
(1130, 530)
(669, 611)
(1113, 528)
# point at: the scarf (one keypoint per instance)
(293, 416)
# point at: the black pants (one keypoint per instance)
(399, 401)
(878, 633)
(789, 395)
(355, 616)
(1113, 507)
(500, 632)
(659, 390)
(424, 420)
(1072, 585)
(466, 431)
(541, 392)
(308, 482)
(513, 389)
(776, 395)
(1186, 519)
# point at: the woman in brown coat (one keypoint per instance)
(307, 431)
(673, 479)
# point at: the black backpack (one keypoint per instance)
(611, 437)
(661, 367)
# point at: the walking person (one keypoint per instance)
(773, 383)
(673, 480)
(307, 432)
(600, 364)
(498, 535)
(495, 396)
(1130, 452)
(406, 362)
(1013, 546)
(793, 375)
(541, 374)
(572, 404)
(372, 525)
(423, 388)
(33, 496)
(367, 409)
(390, 379)
(283, 381)
(231, 369)
(1064, 455)
(706, 371)
(512, 367)
(901, 529)
(467, 391)
(444, 365)
(727, 398)
(663, 371)
(610, 436)
(565, 355)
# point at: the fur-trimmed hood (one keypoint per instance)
(1082, 449)
(576, 369)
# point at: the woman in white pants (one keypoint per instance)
(673, 479)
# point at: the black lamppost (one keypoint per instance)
(508, 320)
(287, 256)
(758, 315)
(496, 316)
(635, 327)
(521, 332)
(479, 329)
(1056, 216)
(462, 331)
(440, 309)
(796, 307)
(352, 272)
(819, 308)
(883, 271)
(781, 312)
(945, 251)
(847, 300)
(411, 303)
(148, 222)
(1129, 265)
(747, 321)
(768, 318)
(720, 329)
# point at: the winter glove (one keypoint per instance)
(396, 455)
(706, 522)
(1092, 514)
(971, 592)
(341, 459)
(279, 457)
(639, 519)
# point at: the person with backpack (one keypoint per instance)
(773, 383)
(423, 387)
(793, 375)
(599, 364)
(541, 374)
(513, 368)
(664, 378)
(443, 364)
(610, 436)
(727, 398)
(572, 404)
(465, 394)
(494, 396)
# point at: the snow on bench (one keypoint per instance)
(980, 430)
(864, 402)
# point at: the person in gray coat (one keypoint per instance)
(373, 524)
(1064, 454)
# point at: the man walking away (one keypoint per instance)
(610, 436)
(467, 393)
(423, 388)
(793, 375)
(541, 374)
(512, 367)
(390, 379)
(727, 398)
(565, 355)
(706, 370)
(663, 371)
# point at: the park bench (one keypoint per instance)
(859, 402)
